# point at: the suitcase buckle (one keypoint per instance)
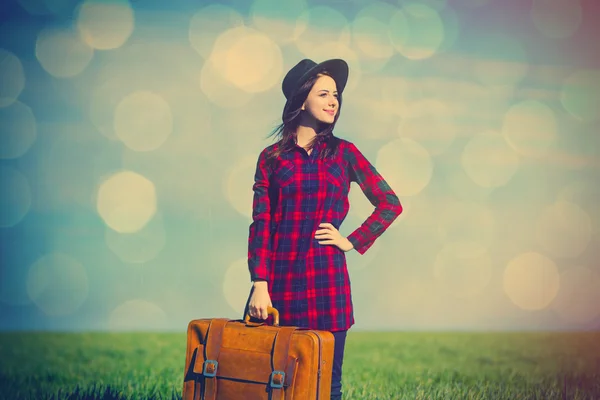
(280, 378)
(210, 368)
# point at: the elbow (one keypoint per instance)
(398, 209)
(394, 204)
(391, 210)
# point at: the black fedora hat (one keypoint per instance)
(306, 68)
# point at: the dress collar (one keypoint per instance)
(315, 151)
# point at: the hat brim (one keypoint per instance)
(336, 67)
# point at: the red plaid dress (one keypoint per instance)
(308, 282)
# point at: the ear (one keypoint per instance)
(302, 107)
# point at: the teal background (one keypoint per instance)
(129, 133)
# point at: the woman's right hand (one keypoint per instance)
(259, 301)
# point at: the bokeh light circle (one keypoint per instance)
(62, 53)
(57, 284)
(463, 187)
(580, 95)
(138, 247)
(564, 229)
(183, 168)
(243, 69)
(70, 165)
(18, 130)
(106, 24)
(531, 281)
(416, 31)
(15, 200)
(276, 21)
(12, 78)
(219, 90)
(452, 28)
(247, 58)
(126, 201)
(163, 67)
(477, 107)
(143, 120)
(263, 111)
(585, 194)
(320, 25)
(208, 23)
(370, 30)
(530, 127)
(406, 166)
(488, 160)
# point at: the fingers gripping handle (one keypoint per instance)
(270, 311)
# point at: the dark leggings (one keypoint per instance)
(338, 359)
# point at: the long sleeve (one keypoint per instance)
(380, 194)
(259, 242)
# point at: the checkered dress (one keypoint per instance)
(308, 282)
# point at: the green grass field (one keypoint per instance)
(378, 365)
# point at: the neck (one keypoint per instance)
(307, 130)
(305, 134)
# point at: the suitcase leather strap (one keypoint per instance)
(281, 350)
(211, 363)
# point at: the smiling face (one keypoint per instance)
(322, 100)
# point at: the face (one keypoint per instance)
(322, 100)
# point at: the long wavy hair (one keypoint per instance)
(291, 120)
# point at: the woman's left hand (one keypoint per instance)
(330, 235)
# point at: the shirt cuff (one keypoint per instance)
(359, 246)
(258, 278)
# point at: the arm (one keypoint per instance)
(380, 194)
(259, 241)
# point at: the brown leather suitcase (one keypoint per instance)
(241, 360)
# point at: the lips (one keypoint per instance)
(330, 112)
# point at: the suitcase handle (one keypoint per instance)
(270, 311)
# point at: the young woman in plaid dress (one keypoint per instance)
(296, 255)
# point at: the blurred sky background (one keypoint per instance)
(129, 134)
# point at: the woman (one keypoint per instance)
(295, 251)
